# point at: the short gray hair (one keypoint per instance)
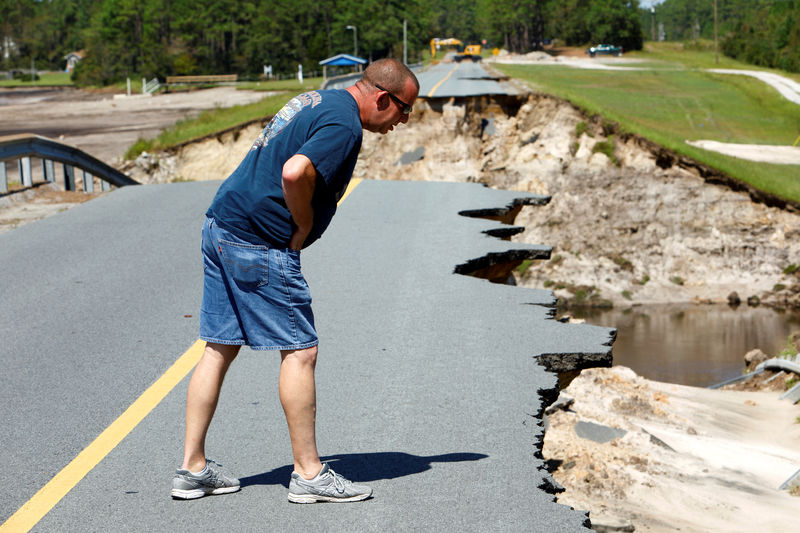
(390, 74)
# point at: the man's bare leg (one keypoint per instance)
(299, 400)
(201, 401)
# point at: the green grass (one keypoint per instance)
(607, 147)
(524, 266)
(209, 122)
(679, 102)
(291, 85)
(681, 55)
(45, 78)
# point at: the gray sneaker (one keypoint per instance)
(188, 486)
(328, 486)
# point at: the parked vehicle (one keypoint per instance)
(605, 49)
(437, 43)
(471, 51)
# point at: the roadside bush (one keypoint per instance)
(26, 76)
(607, 147)
(141, 145)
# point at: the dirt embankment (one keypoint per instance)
(649, 456)
(629, 222)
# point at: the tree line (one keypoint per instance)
(157, 38)
(761, 32)
(171, 37)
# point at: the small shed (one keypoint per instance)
(341, 60)
(72, 59)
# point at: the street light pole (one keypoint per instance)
(355, 39)
(653, 22)
(405, 42)
(716, 46)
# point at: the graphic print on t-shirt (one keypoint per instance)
(283, 117)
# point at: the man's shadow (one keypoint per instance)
(365, 467)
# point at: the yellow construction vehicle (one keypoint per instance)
(471, 51)
(437, 43)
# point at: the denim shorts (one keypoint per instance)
(253, 294)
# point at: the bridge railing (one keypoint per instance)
(21, 148)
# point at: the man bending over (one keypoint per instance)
(279, 200)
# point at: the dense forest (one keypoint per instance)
(157, 38)
(122, 38)
(761, 32)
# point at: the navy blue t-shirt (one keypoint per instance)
(322, 125)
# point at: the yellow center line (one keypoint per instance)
(40, 504)
(430, 94)
(353, 184)
(48, 496)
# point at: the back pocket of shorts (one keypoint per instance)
(247, 264)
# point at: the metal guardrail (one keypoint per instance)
(791, 364)
(341, 82)
(151, 86)
(346, 80)
(23, 147)
(211, 78)
(737, 379)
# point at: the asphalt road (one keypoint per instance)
(428, 383)
(460, 79)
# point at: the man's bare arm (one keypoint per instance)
(299, 178)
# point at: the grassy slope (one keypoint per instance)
(674, 101)
(209, 122)
(215, 120)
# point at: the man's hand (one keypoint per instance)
(299, 178)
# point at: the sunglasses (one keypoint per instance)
(404, 107)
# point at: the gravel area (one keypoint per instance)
(105, 125)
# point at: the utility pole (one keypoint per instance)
(355, 39)
(716, 47)
(653, 22)
(405, 42)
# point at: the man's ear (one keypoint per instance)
(382, 100)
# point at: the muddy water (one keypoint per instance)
(696, 345)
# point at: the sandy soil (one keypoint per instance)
(569, 57)
(101, 124)
(23, 206)
(690, 459)
(105, 125)
(788, 88)
(781, 155)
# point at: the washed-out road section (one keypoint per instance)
(429, 386)
(105, 125)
